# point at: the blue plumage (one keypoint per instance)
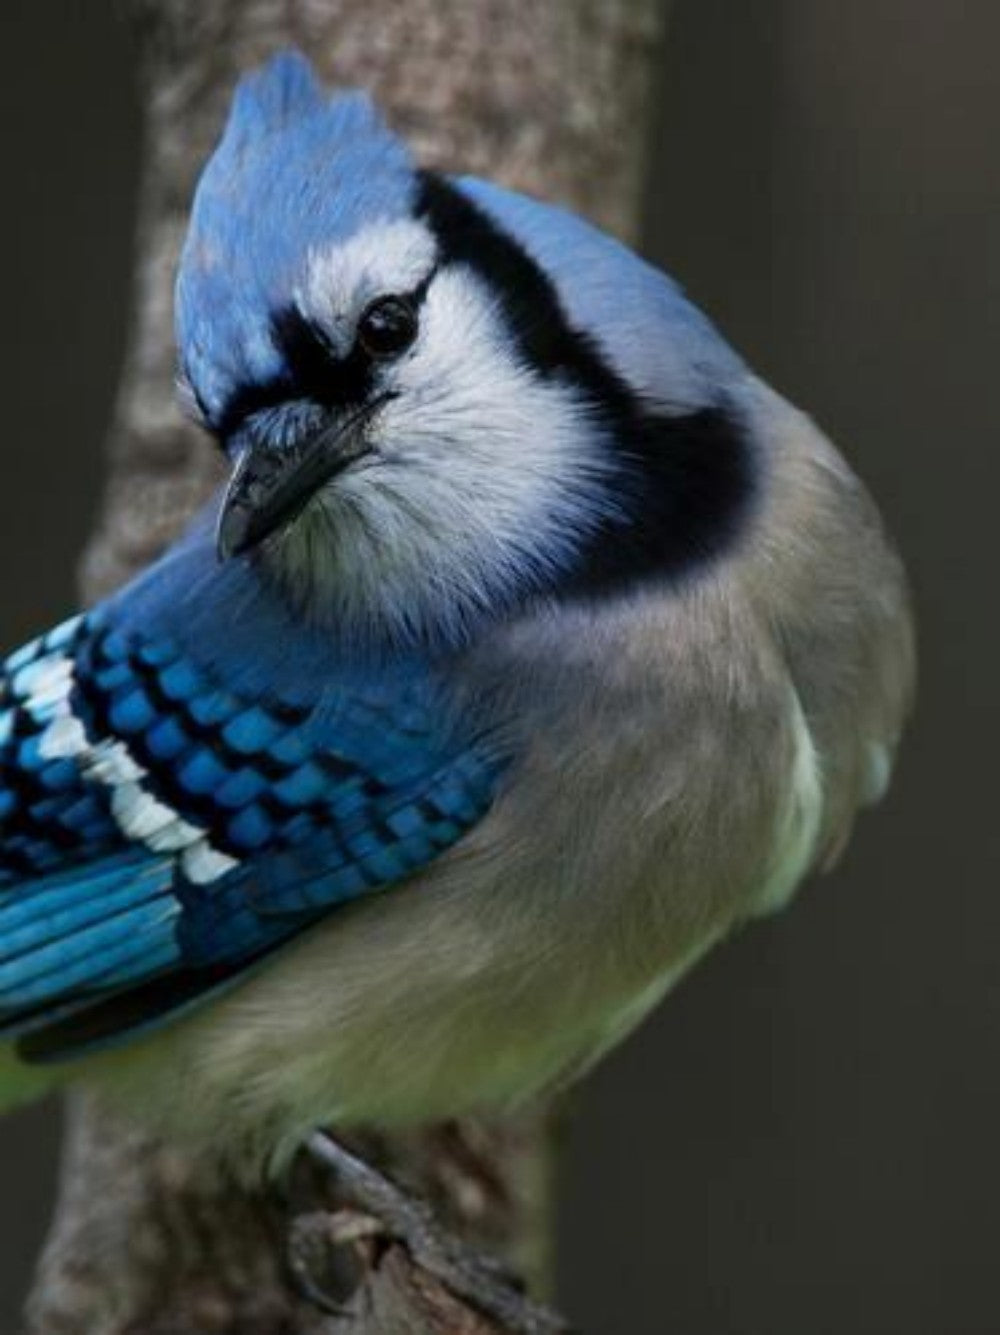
(662, 345)
(50, 817)
(340, 168)
(212, 759)
(529, 623)
(129, 757)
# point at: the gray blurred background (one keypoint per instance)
(803, 1140)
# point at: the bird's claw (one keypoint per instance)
(321, 1242)
(480, 1280)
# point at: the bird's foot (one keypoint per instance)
(324, 1242)
(385, 1209)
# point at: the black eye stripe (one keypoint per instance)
(315, 372)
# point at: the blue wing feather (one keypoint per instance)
(162, 832)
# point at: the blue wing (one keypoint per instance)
(161, 832)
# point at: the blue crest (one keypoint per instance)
(294, 170)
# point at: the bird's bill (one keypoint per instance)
(271, 486)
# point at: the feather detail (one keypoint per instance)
(163, 833)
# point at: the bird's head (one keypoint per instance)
(439, 398)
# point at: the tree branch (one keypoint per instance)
(547, 98)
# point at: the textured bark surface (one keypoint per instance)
(547, 98)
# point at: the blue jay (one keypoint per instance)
(532, 646)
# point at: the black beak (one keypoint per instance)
(271, 486)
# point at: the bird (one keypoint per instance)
(532, 645)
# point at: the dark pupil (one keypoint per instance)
(387, 326)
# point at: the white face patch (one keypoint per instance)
(388, 258)
(138, 814)
(485, 476)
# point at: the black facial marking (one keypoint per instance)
(315, 371)
(685, 481)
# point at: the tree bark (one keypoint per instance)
(549, 98)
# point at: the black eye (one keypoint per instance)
(387, 327)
